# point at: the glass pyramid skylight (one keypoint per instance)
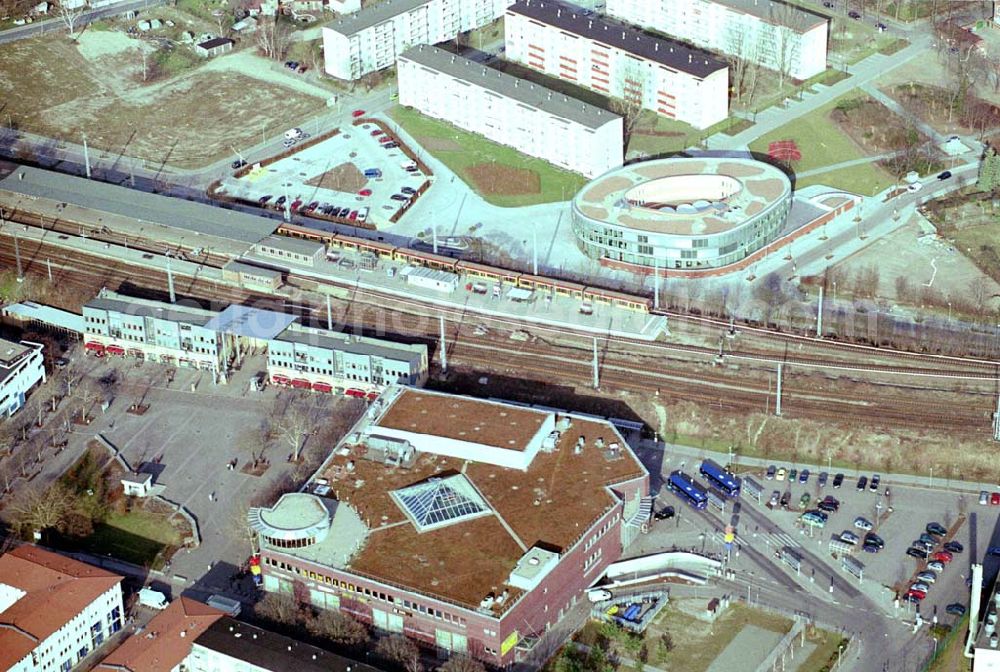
(438, 502)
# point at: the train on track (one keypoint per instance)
(470, 271)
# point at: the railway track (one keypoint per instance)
(679, 372)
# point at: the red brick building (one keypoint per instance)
(470, 525)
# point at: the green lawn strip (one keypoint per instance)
(825, 652)
(472, 149)
(855, 179)
(136, 537)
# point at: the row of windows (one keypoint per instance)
(374, 594)
(290, 543)
(594, 538)
(592, 559)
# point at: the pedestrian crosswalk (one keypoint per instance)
(773, 540)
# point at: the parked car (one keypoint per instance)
(871, 548)
(928, 538)
(838, 480)
(775, 498)
(288, 143)
(365, 192)
(862, 523)
(995, 499)
(666, 513)
(312, 206)
(911, 599)
(60, 362)
(943, 556)
(876, 479)
(937, 529)
(281, 201)
(927, 577)
(829, 504)
(881, 27)
(263, 199)
(385, 139)
(391, 145)
(955, 609)
(804, 476)
(785, 498)
(781, 474)
(954, 547)
(823, 476)
(409, 191)
(854, 15)
(793, 475)
(872, 538)
(862, 483)
(352, 215)
(936, 566)
(771, 471)
(238, 163)
(916, 595)
(399, 197)
(944, 175)
(828, 4)
(984, 498)
(993, 550)
(922, 587)
(914, 187)
(917, 553)
(849, 537)
(377, 132)
(804, 500)
(358, 113)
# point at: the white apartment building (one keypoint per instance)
(54, 611)
(514, 112)
(665, 76)
(21, 368)
(373, 38)
(778, 35)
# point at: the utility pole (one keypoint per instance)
(17, 255)
(170, 283)
(656, 283)
(819, 315)
(777, 401)
(86, 156)
(444, 347)
(996, 421)
(434, 235)
(329, 314)
(597, 379)
(534, 250)
(48, 263)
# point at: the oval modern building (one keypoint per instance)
(686, 214)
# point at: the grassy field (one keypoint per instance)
(462, 152)
(974, 226)
(56, 88)
(654, 135)
(137, 537)
(822, 144)
(826, 643)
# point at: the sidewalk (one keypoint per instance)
(775, 117)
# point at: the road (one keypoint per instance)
(56, 24)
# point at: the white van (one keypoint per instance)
(293, 134)
(153, 599)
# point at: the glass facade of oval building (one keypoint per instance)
(674, 234)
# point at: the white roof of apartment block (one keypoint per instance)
(523, 91)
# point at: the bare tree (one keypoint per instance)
(272, 37)
(462, 664)
(401, 651)
(279, 608)
(41, 510)
(783, 39)
(337, 627)
(630, 111)
(69, 17)
(296, 423)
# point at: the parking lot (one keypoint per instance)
(354, 175)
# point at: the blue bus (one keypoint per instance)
(720, 478)
(687, 489)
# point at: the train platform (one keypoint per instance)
(532, 312)
(516, 308)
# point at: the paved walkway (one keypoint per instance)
(865, 71)
(889, 102)
(846, 164)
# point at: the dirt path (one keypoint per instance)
(251, 65)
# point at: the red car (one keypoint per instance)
(916, 594)
(358, 113)
(353, 215)
(365, 192)
(377, 132)
(995, 499)
(942, 556)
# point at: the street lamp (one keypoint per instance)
(949, 312)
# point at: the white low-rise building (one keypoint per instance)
(372, 39)
(668, 77)
(778, 35)
(515, 112)
(54, 611)
(21, 368)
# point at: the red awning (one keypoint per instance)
(322, 387)
(116, 350)
(354, 392)
(94, 346)
(301, 384)
(280, 380)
